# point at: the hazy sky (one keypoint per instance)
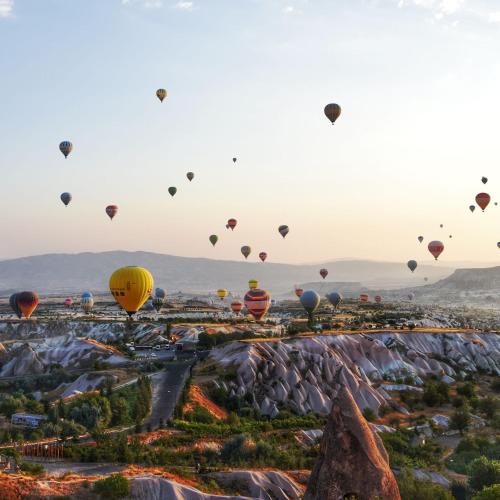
(418, 81)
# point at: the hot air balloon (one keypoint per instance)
(412, 265)
(420, 239)
(112, 210)
(273, 302)
(483, 199)
(411, 296)
(13, 304)
(323, 273)
(87, 301)
(236, 307)
(234, 160)
(451, 236)
(157, 303)
(66, 198)
(257, 302)
(498, 244)
(68, 302)
(131, 286)
(332, 112)
(299, 292)
(310, 301)
(172, 190)
(363, 297)
(472, 208)
(27, 303)
(253, 284)
(263, 256)
(213, 239)
(161, 94)
(435, 248)
(441, 226)
(378, 299)
(231, 223)
(496, 203)
(334, 298)
(222, 293)
(283, 230)
(159, 292)
(484, 180)
(190, 176)
(65, 147)
(246, 251)
(426, 279)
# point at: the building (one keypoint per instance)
(27, 420)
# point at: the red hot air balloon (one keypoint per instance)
(236, 307)
(363, 297)
(378, 299)
(68, 302)
(323, 273)
(112, 210)
(231, 223)
(483, 200)
(435, 248)
(257, 302)
(299, 292)
(263, 256)
(27, 303)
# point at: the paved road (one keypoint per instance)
(167, 387)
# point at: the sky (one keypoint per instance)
(418, 82)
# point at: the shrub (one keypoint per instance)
(32, 469)
(483, 472)
(414, 489)
(369, 414)
(488, 493)
(112, 487)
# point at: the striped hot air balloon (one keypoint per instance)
(27, 303)
(65, 147)
(363, 297)
(257, 302)
(435, 248)
(236, 307)
(87, 301)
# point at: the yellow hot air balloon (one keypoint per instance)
(222, 293)
(131, 286)
(161, 94)
(253, 284)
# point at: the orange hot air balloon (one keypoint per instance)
(263, 256)
(483, 200)
(299, 292)
(257, 302)
(236, 307)
(111, 210)
(435, 248)
(232, 223)
(363, 297)
(378, 299)
(27, 303)
(323, 273)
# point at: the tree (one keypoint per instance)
(112, 487)
(488, 493)
(489, 406)
(483, 472)
(460, 420)
(414, 489)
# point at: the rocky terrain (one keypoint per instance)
(298, 373)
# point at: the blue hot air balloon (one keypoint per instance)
(334, 298)
(310, 301)
(66, 198)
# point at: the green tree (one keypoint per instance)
(483, 472)
(488, 493)
(489, 406)
(460, 420)
(414, 489)
(112, 487)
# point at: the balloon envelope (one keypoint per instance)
(483, 200)
(310, 301)
(299, 292)
(86, 301)
(232, 223)
(246, 251)
(159, 292)
(234, 160)
(213, 239)
(236, 307)
(378, 299)
(222, 293)
(14, 305)
(68, 302)
(66, 198)
(323, 273)
(435, 248)
(131, 286)
(172, 190)
(27, 303)
(65, 147)
(263, 256)
(420, 238)
(332, 112)
(363, 297)
(484, 180)
(161, 94)
(252, 284)
(112, 210)
(334, 298)
(283, 230)
(257, 302)
(190, 176)
(472, 208)
(412, 265)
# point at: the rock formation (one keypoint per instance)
(352, 461)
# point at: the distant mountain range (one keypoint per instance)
(54, 273)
